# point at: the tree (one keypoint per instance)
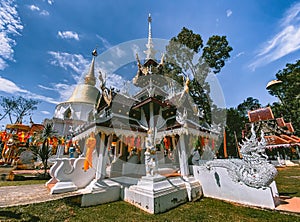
(44, 150)
(236, 122)
(234, 126)
(8, 105)
(181, 61)
(287, 90)
(247, 105)
(18, 107)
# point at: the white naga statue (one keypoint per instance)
(150, 155)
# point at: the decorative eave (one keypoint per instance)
(149, 100)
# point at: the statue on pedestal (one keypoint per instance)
(150, 155)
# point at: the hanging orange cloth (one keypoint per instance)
(132, 140)
(90, 144)
(213, 144)
(138, 142)
(202, 141)
(225, 145)
(166, 143)
(21, 136)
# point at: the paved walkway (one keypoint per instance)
(29, 194)
(289, 204)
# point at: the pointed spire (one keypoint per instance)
(150, 52)
(90, 76)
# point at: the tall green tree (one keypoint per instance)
(236, 121)
(188, 57)
(287, 91)
(18, 107)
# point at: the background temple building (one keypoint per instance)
(279, 135)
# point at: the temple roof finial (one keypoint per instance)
(90, 76)
(150, 52)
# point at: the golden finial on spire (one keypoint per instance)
(95, 53)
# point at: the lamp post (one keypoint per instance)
(271, 85)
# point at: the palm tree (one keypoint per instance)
(44, 152)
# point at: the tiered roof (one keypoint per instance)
(277, 132)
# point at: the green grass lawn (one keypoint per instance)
(206, 209)
(288, 181)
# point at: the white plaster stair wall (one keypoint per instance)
(52, 170)
(71, 176)
(216, 183)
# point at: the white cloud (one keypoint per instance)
(50, 2)
(34, 8)
(10, 26)
(236, 56)
(136, 50)
(64, 90)
(228, 12)
(104, 41)
(286, 41)
(45, 112)
(10, 87)
(68, 35)
(44, 12)
(75, 62)
(119, 52)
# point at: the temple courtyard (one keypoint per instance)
(32, 202)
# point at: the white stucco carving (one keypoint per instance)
(253, 169)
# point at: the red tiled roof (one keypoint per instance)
(288, 138)
(290, 127)
(275, 140)
(260, 114)
(280, 122)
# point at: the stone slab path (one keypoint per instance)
(289, 204)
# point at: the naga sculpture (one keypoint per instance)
(253, 169)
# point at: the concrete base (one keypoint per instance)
(101, 192)
(63, 187)
(216, 183)
(157, 194)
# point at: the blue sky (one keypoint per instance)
(45, 45)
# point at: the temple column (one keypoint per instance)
(143, 150)
(151, 121)
(183, 160)
(101, 166)
(175, 150)
(117, 149)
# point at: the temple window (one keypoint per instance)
(68, 114)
